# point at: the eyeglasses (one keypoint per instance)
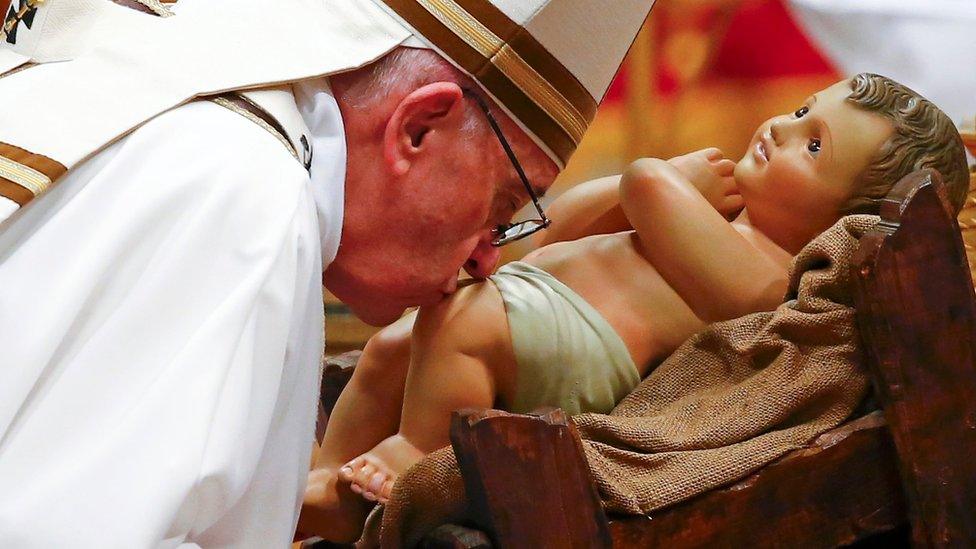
(510, 232)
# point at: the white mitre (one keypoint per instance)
(79, 74)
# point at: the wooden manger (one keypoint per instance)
(906, 470)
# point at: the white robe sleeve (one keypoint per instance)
(160, 343)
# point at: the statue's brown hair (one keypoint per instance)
(924, 137)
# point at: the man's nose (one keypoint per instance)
(483, 259)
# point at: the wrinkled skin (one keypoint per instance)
(422, 197)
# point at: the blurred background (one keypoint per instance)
(706, 73)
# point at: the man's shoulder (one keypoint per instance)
(209, 152)
(219, 139)
(202, 161)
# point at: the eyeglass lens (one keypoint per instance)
(519, 231)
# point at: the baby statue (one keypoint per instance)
(653, 259)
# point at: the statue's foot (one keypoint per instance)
(368, 476)
(330, 510)
(374, 473)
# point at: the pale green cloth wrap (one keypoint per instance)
(568, 356)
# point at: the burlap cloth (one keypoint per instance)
(728, 401)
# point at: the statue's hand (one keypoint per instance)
(711, 173)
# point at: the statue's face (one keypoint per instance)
(801, 167)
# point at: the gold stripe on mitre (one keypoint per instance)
(24, 175)
(510, 63)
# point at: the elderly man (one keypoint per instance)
(167, 232)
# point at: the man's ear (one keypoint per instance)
(436, 107)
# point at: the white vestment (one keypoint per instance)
(161, 335)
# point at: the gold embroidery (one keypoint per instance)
(21, 13)
(25, 176)
(157, 7)
(228, 104)
(541, 91)
(520, 72)
(19, 68)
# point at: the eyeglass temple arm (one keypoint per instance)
(511, 155)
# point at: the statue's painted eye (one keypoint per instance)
(801, 112)
(814, 146)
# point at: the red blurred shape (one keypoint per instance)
(763, 41)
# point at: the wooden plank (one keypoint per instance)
(453, 536)
(917, 314)
(336, 372)
(843, 488)
(319, 543)
(528, 481)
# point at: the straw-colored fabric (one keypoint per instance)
(730, 400)
(568, 355)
